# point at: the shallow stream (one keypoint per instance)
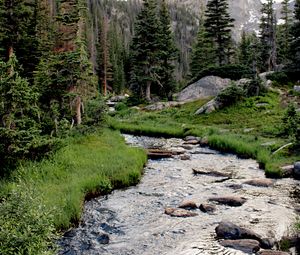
(133, 222)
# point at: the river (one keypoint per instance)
(133, 221)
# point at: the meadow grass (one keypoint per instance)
(251, 128)
(88, 166)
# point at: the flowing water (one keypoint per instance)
(133, 222)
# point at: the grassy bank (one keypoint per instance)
(47, 196)
(250, 129)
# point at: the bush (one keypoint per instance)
(233, 72)
(280, 78)
(94, 113)
(290, 121)
(254, 88)
(121, 106)
(230, 95)
(26, 227)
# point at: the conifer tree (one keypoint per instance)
(295, 44)
(203, 54)
(144, 50)
(218, 24)
(268, 37)
(167, 52)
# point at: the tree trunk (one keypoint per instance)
(78, 110)
(148, 90)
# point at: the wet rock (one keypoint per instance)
(103, 239)
(212, 173)
(207, 208)
(188, 204)
(260, 182)
(158, 154)
(296, 171)
(267, 243)
(271, 252)
(175, 212)
(245, 245)
(228, 230)
(287, 171)
(229, 200)
(185, 157)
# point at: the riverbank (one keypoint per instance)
(250, 129)
(41, 198)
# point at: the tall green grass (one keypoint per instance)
(86, 167)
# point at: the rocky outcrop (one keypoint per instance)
(245, 245)
(178, 212)
(229, 200)
(208, 86)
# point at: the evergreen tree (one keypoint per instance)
(203, 54)
(167, 52)
(144, 50)
(218, 24)
(284, 33)
(19, 114)
(268, 37)
(295, 44)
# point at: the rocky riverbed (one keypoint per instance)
(146, 219)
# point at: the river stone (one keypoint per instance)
(296, 171)
(175, 212)
(228, 230)
(271, 252)
(192, 142)
(211, 172)
(297, 89)
(188, 204)
(191, 138)
(260, 182)
(229, 200)
(267, 243)
(207, 208)
(185, 157)
(103, 239)
(245, 245)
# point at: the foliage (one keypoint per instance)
(281, 78)
(218, 24)
(233, 72)
(230, 95)
(26, 225)
(290, 121)
(294, 53)
(254, 87)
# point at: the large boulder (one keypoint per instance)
(296, 171)
(208, 86)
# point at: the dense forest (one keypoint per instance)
(61, 60)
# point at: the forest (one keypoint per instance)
(74, 74)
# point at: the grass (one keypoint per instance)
(86, 167)
(249, 129)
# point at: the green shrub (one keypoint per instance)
(280, 78)
(26, 226)
(233, 72)
(94, 111)
(290, 121)
(230, 95)
(121, 106)
(254, 88)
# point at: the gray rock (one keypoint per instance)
(260, 182)
(296, 171)
(245, 245)
(185, 157)
(175, 212)
(118, 98)
(162, 105)
(271, 252)
(103, 239)
(297, 89)
(207, 208)
(208, 86)
(229, 200)
(209, 107)
(191, 138)
(287, 171)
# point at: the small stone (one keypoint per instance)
(103, 239)
(207, 208)
(175, 212)
(245, 245)
(229, 200)
(271, 252)
(188, 204)
(185, 157)
(235, 186)
(260, 182)
(296, 171)
(192, 142)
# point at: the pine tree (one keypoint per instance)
(284, 33)
(203, 54)
(167, 52)
(295, 44)
(144, 50)
(268, 37)
(218, 24)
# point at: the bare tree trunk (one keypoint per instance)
(78, 110)
(148, 90)
(105, 56)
